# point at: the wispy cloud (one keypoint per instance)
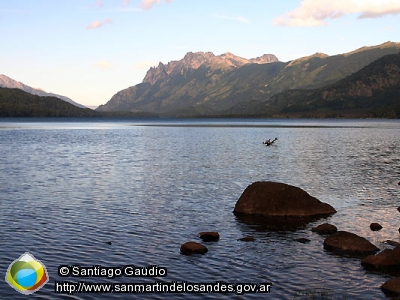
(315, 12)
(103, 65)
(238, 18)
(147, 4)
(98, 3)
(97, 24)
(122, 7)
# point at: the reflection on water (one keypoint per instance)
(277, 224)
(68, 188)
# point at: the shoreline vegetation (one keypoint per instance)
(15, 103)
(19, 104)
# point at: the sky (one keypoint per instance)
(88, 50)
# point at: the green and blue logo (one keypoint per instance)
(26, 274)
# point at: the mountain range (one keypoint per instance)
(7, 82)
(362, 83)
(372, 92)
(203, 84)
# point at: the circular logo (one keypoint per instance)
(26, 274)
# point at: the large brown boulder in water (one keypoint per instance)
(349, 243)
(280, 200)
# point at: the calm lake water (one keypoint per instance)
(148, 186)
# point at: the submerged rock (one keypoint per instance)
(391, 287)
(349, 243)
(247, 239)
(209, 236)
(375, 226)
(189, 248)
(303, 240)
(280, 200)
(324, 229)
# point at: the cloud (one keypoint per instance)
(99, 3)
(126, 2)
(315, 12)
(97, 24)
(238, 18)
(147, 4)
(103, 65)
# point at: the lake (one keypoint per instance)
(131, 192)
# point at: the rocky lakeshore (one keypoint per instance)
(283, 204)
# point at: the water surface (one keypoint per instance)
(148, 186)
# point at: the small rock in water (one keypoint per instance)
(349, 243)
(398, 208)
(392, 287)
(209, 236)
(384, 261)
(109, 243)
(375, 226)
(189, 248)
(325, 229)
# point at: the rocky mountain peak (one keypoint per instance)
(194, 60)
(264, 59)
(227, 55)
